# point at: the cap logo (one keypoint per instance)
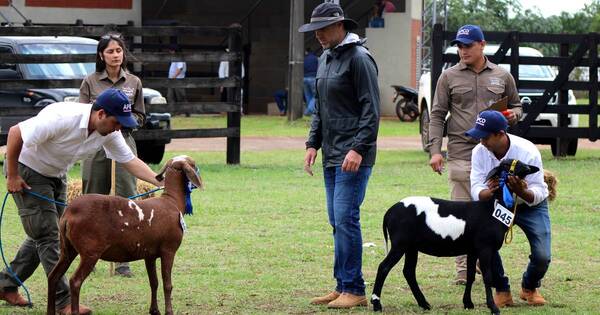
(464, 31)
(480, 121)
(127, 108)
(336, 14)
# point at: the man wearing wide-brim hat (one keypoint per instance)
(345, 127)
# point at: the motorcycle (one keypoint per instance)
(406, 105)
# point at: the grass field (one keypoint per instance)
(265, 126)
(259, 243)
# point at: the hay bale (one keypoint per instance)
(552, 182)
(74, 189)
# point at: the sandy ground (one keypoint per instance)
(287, 143)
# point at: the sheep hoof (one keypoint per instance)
(425, 306)
(376, 305)
(469, 305)
(154, 312)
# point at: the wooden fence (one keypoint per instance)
(233, 83)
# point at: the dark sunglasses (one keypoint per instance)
(112, 36)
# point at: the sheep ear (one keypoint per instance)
(160, 176)
(192, 176)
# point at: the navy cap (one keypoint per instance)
(117, 104)
(325, 14)
(488, 122)
(468, 34)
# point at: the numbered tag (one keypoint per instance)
(502, 214)
(182, 223)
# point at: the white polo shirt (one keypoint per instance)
(483, 161)
(58, 137)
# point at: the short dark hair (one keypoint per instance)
(103, 43)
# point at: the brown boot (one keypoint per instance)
(13, 298)
(348, 300)
(533, 297)
(83, 310)
(503, 299)
(461, 278)
(325, 299)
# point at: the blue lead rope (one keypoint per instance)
(8, 269)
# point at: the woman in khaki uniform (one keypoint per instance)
(111, 72)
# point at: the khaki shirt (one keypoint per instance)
(464, 93)
(95, 83)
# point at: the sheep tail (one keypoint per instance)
(385, 233)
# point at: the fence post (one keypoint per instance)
(233, 96)
(296, 62)
(593, 87)
(563, 99)
(437, 43)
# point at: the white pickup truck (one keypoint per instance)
(527, 72)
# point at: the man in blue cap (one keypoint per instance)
(344, 126)
(40, 151)
(464, 90)
(531, 204)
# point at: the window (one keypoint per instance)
(58, 70)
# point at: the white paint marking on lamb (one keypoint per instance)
(180, 158)
(134, 205)
(443, 226)
(120, 213)
(151, 216)
(126, 223)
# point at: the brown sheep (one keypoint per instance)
(115, 229)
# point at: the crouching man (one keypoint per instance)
(39, 152)
(532, 205)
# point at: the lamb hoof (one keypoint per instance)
(469, 305)
(376, 305)
(154, 312)
(425, 306)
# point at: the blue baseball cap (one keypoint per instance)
(488, 122)
(117, 104)
(468, 34)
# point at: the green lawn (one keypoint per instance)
(259, 243)
(255, 125)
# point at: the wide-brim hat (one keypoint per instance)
(326, 14)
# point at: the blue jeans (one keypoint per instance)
(281, 100)
(310, 89)
(535, 223)
(345, 192)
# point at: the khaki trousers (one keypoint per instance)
(40, 222)
(459, 172)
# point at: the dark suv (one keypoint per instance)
(150, 151)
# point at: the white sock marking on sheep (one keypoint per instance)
(134, 205)
(443, 226)
(375, 297)
(151, 216)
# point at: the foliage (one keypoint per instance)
(508, 15)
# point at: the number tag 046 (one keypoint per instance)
(502, 214)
